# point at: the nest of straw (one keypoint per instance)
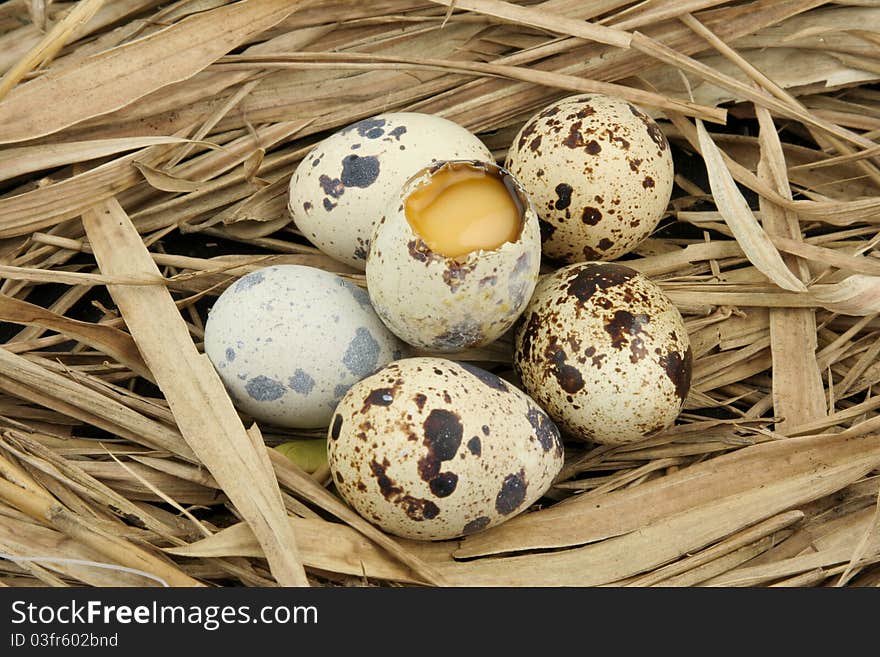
(121, 220)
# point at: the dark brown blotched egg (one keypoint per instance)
(428, 448)
(604, 352)
(600, 173)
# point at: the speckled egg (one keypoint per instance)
(289, 341)
(339, 191)
(604, 352)
(428, 448)
(599, 171)
(443, 303)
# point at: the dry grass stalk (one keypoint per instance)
(539, 19)
(584, 520)
(170, 55)
(54, 41)
(797, 381)
(201, 407)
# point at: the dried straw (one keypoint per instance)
(136, 136)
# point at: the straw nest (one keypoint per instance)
(146, 150)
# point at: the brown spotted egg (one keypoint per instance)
(599, 171)
(428, 448)
(604, 352)
(448, 304)
(339, 191)
(288, 341)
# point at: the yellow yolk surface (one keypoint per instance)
(462, 208)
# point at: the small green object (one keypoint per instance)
(307, 454)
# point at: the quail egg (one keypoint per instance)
(604, 352)
(455, 256)
(288, 341)
(340, 190)
(599, 171)
(429, 448)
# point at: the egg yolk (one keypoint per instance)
(307, 454)
(463, 208)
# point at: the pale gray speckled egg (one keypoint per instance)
(445, 303)
(339, 191)
(428, 448)
(599, 171)
(604, 352)
(289, 341)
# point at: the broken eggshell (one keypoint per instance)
(339, 191)
(599, 171)
(429, 448)
(604, 352)
(443, 303)
(288, 341)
